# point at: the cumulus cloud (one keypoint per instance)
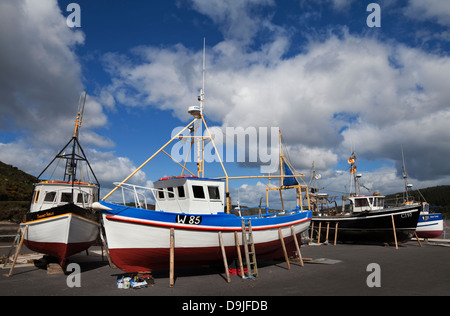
(341, 91)
(40, 85)
(338, 91)
(436, 10)
(236, 18)
(40, 77)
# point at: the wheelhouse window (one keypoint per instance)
(36, 196)
(66, 197)
(82, 198)
(361, 202)
(379, 202)
(50, 197)
(213, 192)
(160, 194)
(181, 193)
(170, 192)
(198, 191)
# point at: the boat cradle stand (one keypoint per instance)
(336, 232)
(328, 229)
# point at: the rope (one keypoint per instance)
(446, 225)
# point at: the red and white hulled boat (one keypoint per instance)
(138, 238)
(196, 212)
(430, 225)
(61, 221)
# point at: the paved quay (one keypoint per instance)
(344, 270)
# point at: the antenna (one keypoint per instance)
(202, 92)
(405, 176)
(197, 111)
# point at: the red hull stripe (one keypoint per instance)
(429, 234)
(148, 259)
(56, 249)
(198, 227)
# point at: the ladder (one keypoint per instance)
(16, 244)
(250, 254)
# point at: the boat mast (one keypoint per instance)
(71, 164)
(351, 161)
(201, 141)
(197, 113)
(405, 178)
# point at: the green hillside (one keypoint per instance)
(16, 188)
(438, 197)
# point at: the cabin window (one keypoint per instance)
(378, 202)
(214, 193)
(66, 197)
(170, 192)
(50, 197)
(181, 193)
(160, 194)
(198, 191)
(82, 198)
(361, 202)
(36, 197)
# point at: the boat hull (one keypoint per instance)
(139, 240)
(61, 231)
(430, 226)
(374, 226)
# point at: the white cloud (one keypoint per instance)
(40, 87)
(342, 91)
(40, 76)
(435, 10)
(235, 18)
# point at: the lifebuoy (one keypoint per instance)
(177, 177)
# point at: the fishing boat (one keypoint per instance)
(430, 225)
(61, 221)
(365, 218)
(193, 215)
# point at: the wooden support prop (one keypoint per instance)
(335, 233)
(328, 229)
(13, 245)
(297, 246)
(224, 256)
(395, 233)
(284, 248)
(104, 246)
(18, 251)
(312, 230)
(172, 256)
(320, 229)
(238, 250)
(417, 237)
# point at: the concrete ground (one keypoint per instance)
(344, 270)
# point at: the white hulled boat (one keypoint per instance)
(196, 212)
(60, 221)
(430, 225)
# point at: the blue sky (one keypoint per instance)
(313, 68)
